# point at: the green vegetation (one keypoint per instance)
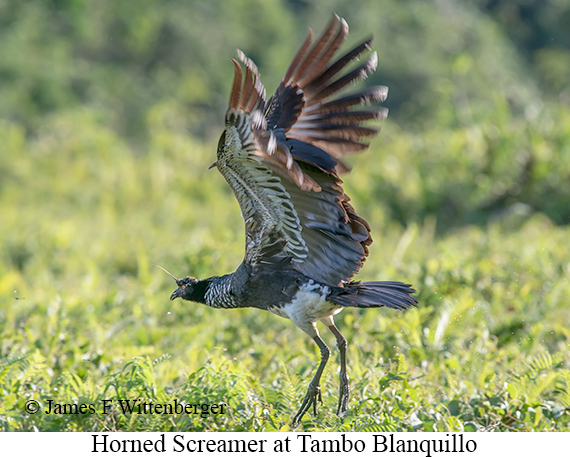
(109, 118)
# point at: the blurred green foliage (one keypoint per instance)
(109, 117)
(479, 90)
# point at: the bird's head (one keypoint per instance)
(185, 285)
(185, 288)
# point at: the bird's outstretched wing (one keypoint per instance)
(281, 158)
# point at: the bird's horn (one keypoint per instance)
(167, 272)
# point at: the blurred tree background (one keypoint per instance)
(110, 112)
(479, 91)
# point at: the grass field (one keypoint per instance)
(85, 317)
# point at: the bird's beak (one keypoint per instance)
(175, 294)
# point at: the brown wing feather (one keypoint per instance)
(308, 87)
(328, 52)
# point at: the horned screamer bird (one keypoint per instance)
(304, 241)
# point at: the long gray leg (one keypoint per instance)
(314, 391)
(344, 387)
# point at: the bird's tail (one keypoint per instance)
(374, 294)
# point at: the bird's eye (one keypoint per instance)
(184, 287)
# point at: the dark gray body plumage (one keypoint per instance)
(269, 287)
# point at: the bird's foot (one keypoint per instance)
(343, 395)
(312, 396)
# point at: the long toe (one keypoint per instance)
(343, 395)
(312, 397)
